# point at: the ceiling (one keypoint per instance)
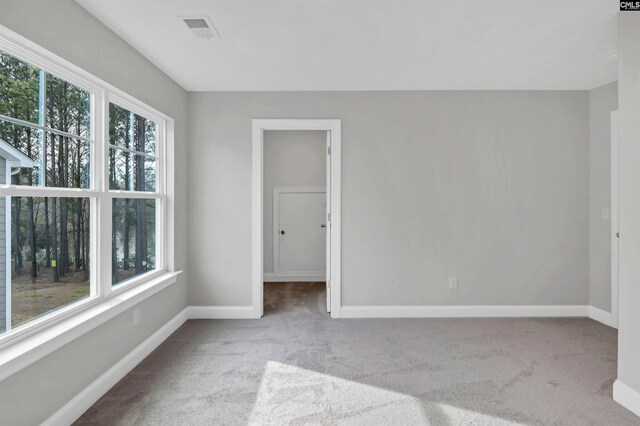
(373, 44)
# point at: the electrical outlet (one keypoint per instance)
(453, 283)
(136, 316)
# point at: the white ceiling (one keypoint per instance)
(373, 44)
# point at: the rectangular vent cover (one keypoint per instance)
(196, 23)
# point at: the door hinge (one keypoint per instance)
(328, 150)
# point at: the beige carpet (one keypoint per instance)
(298, 366)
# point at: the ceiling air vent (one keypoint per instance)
(196, 23)
(201, 26)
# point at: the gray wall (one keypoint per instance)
(66, 29)
(602, 101)
(291, 158)
(629, 99)
(490, 186)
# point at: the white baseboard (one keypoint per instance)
(220, 312)
(270, 277)
(607, 318)
(85, 399)
(464, 311)
(73, 409)
(627, 397)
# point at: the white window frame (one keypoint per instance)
(159, 195)
(102, 294)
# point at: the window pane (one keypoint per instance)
(24, 158)
(47, 253)
(131, 172)
(67, 162)
(134, 238)
(19, 89)
(67, 159)
(131, 131)
(149, 165)
(68, 107)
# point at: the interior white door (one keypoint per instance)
(301, 233)
(328, 223)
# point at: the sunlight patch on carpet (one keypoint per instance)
(293, 395)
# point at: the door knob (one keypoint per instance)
(323, 226)
(282, 232)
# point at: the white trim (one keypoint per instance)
(626, 396)
(600, 315)
(328, 221)
(37, 345)
(257, 234)
(615, 218)
(270, 277)
(36, 191)
(8, 284)
(220, 312)
(73, 409)
(131, 151)
(464, 311)
(129, 283)
(277, 191)
(335, 189)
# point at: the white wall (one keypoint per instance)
(602, 101)
(490, 186)
(291, 158)
(629, 314)
(63, 27)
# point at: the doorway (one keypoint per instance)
(324, 208)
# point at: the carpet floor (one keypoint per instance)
(298, 366)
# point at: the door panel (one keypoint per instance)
(302, 237)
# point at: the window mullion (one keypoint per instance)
(42, 105)
(42, 127)
(161, 212)
(142, 154)
(103, 263)
(133, 194)
(36, 191)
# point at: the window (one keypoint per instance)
(132, 168)
(81, 174)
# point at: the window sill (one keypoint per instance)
(24, 352)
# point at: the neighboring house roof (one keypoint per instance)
(14, 157)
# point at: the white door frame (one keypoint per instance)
(291, 275)
(334, 189)
(615, 216)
